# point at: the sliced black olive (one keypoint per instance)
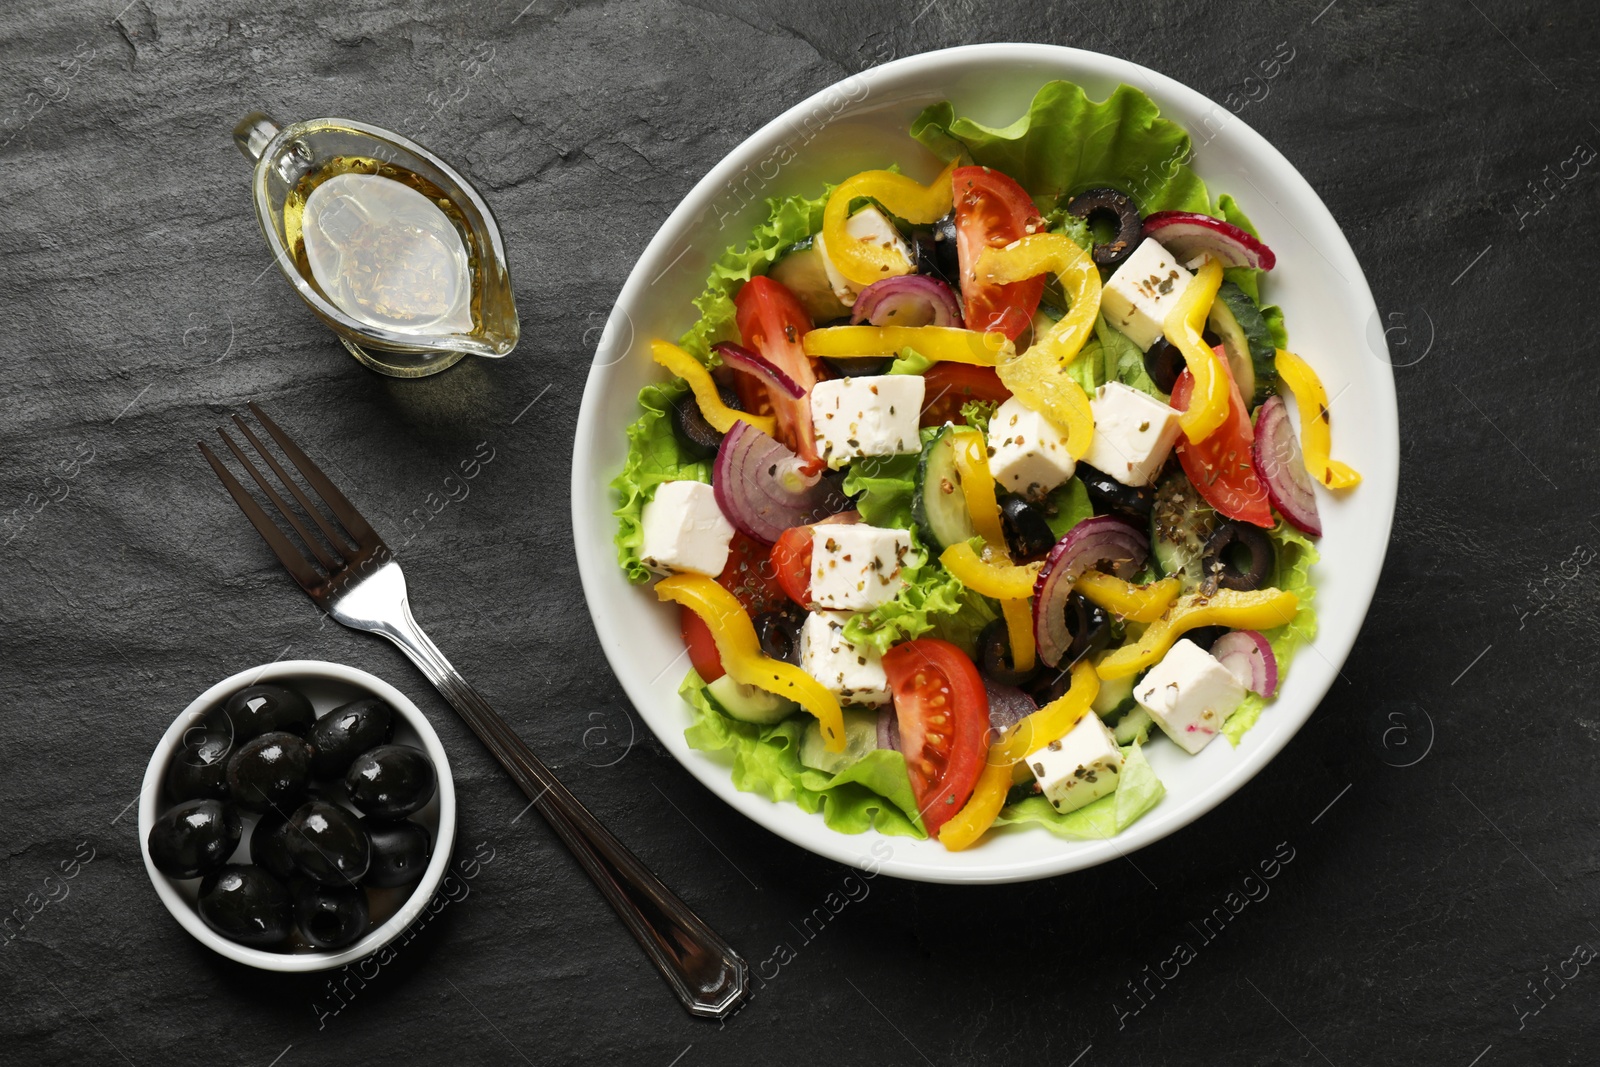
(1205, 636)
(269, 845)
(1163, 362)
(329, 916)
(390, 781)
(200, 766)
(1117, 207)
(1027, 529)
(328, 843)
(935, 253)
(699, 439)
(261, 709)
(400, 852)
(1090, 628)
(779, 633)
(270, 772)
(1211, 340)
(194, 838)
(994, 654)
(346, 732)
(1111, 497)
(247, 905)
(859, 366)
(1239, 555)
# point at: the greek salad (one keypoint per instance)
(968, 490)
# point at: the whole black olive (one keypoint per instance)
(1205, 636)
(199, 767)
(329, 916)
(1110, 497)
(858, 366)
(779, 633)
(261, 709)
(390, 781)
(697, 436)
(1027, 530)
(400, 853)
(1163, 362)
(1118, 208)
(1239, 555)
(247, 905)
(994, 655)
(328, 843)
(270, 772)
(194, 838)
(934, 251)
(346, 732)
(269, 845)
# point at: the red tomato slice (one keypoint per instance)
(947, 386)
(703, 655)
(748, 575)
(772, 322)
(991, 212)
(791, 563)
(943, 714)
(1220, 466)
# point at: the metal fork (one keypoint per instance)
(356, 579)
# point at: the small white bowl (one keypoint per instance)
(326, 685)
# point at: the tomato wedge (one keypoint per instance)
(791, 563)
(747, 575)
(772, 322)
(943, 713)
(1220, 466)
(947, 386)
(991, 212)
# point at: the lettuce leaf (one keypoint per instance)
(654, 456)
(1067, 505)
(1296, 554)
(874, 793)
(887, 485)
(1112, 356)
(1138, 791)
(931, 601)
(1248, 278)
(977, 414)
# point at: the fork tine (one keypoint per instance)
(362, 534)
(294, 487)
(329, 563)
(293, 561)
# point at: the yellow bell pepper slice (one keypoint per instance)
(742, 658)
(946, 344)
(1258, 609)
(1003, 581)
(864, 262)
(1018, 615)
(719, 415)
(1315, 436)
(1039, 376)
(1208, 404)
(977, 487)
(1136, 603)
(1043, 726)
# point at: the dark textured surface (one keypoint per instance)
(1439, 809)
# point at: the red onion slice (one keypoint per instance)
(888, 729)
(909, 300)
(1186, 235)
(763, 488)
(1102, 539)
(768, 373)
(1008, 706)
(1248, 657)
(1282, 469)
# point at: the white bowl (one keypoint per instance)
(860, 123)
(326, 685)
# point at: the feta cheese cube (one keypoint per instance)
(1027, 452)
(868, 416)
(1138, 296)
(854, 675)
(685, 530)
(1083, 766)
(1133, 432)
(1189, 695)
(856, 567)
(868, 224)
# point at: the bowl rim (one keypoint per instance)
(591, 487)
(151, 802)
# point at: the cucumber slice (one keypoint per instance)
(1134, 726)
(749, 704)
(1180, 522)
(939, 508)
(860, 737)
(1237, 322)
(800, 270)
(1116, 694)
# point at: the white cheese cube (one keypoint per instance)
(1189, 695)
(1138, 296)
(1133, 432)
(868, 224)
(854, 675)
(856, 567)
(1083, 766)
(868, 416)
(685, 530)
(1027, 452)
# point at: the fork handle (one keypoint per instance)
(708, 976)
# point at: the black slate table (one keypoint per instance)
(1431, 830)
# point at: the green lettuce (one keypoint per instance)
(654, 456)
(874, 793)
(1111, 356)
(1138, 790)
(931, 601)
(1296, 554)
(1248, 278)
(887, 485)
(977, 414)
(1066, 506)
